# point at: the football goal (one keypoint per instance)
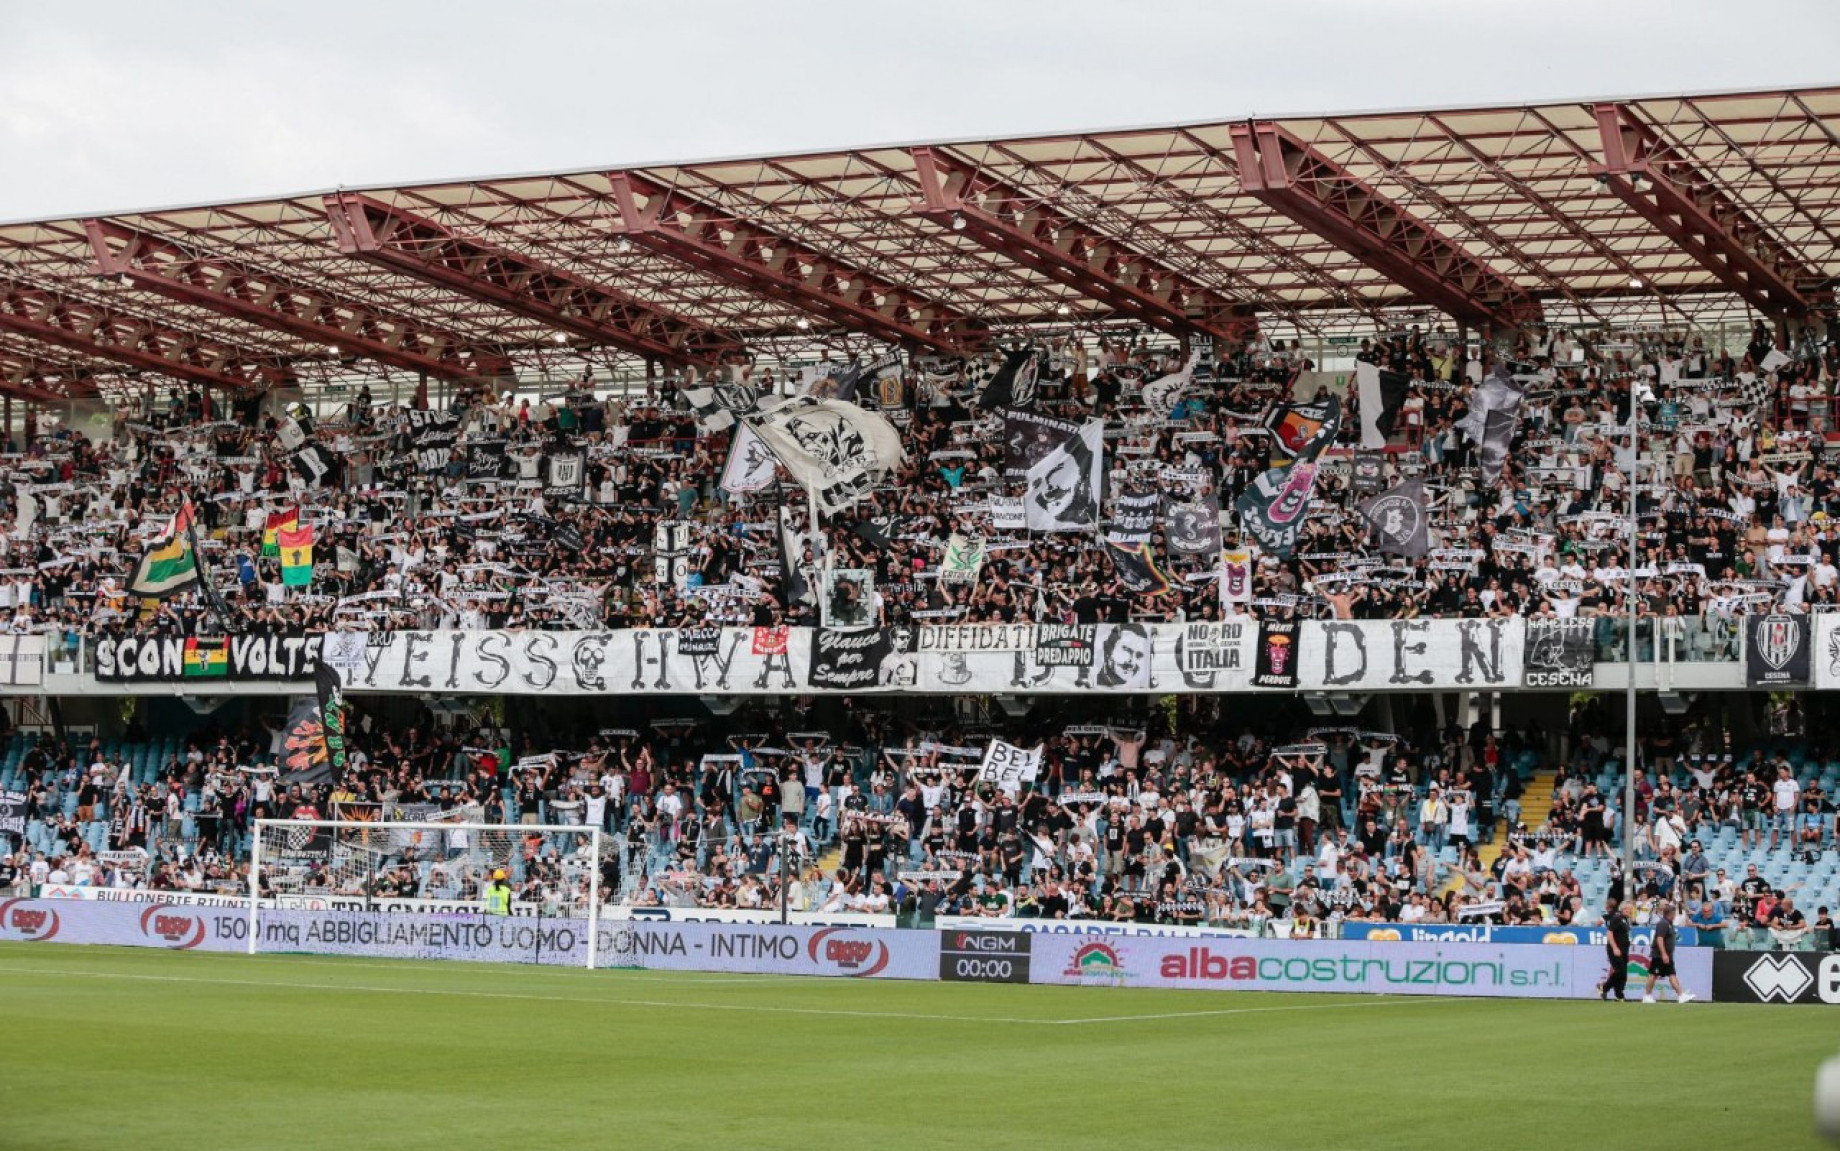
(428, 890)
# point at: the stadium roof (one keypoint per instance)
(1670, 210)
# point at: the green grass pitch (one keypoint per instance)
(144, 1050)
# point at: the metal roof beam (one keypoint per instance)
(1293, 177)
(390, 237)
(146, 345)
(342, 326)
(705, 237)
(1027, 228)
(25, 380)
(1667, 188)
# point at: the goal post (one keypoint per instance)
(418, 889)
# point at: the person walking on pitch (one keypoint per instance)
(1661, 957)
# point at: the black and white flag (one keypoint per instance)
(1494, 415)
(1777, 650)
(12, 813)
(564, 476)
(1398, 520)
(750, 465)
(432, 436)
(1560, 653)
(832, 448)
(1162, 393)
(485, 459)
(1013, 385)
(719, 405)
(1028, 438)
(795, 569)
(1065, 488)
(1382, 393)
(1009, 766)
(1193, 529)
(315, 463)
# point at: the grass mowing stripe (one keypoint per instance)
(663, 1003)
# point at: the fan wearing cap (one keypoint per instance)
(498, 894)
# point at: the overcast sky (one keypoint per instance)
(119, 104)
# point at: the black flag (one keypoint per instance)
(1382, 392)
(1398, 520)
(1014, 384)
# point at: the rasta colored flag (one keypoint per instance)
(296, 556)
(171, 565)
(206, 659)
(278, 521)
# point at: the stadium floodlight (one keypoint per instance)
(426, 868)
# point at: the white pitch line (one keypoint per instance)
(572, 999)
(460, 967)
(1392, 1002)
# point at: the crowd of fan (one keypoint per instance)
(1746, 514)
(1127, 824)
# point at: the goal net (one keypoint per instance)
(423, 890)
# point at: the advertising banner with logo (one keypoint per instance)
(123, 925)
(981, 953)
(237, 658)
(1777, 650)
(1776, 977)
(1489, 933)
(949, 923)
(1367, 655)
(1458, 969)
(769, 949)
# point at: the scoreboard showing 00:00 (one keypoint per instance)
(984, 956)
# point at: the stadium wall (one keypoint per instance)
(982, 956)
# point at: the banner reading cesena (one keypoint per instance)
(1457, 969)
(1491, 933)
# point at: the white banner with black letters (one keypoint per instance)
(1401, 654)
(1120, 658)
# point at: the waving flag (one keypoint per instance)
(1494, 415)
(832, 448)
(1161, 394)
(279, 520)
(171, 565)
(1383, 393)
(1013, 385)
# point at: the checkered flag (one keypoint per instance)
(1758, 393)
(977, 373)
